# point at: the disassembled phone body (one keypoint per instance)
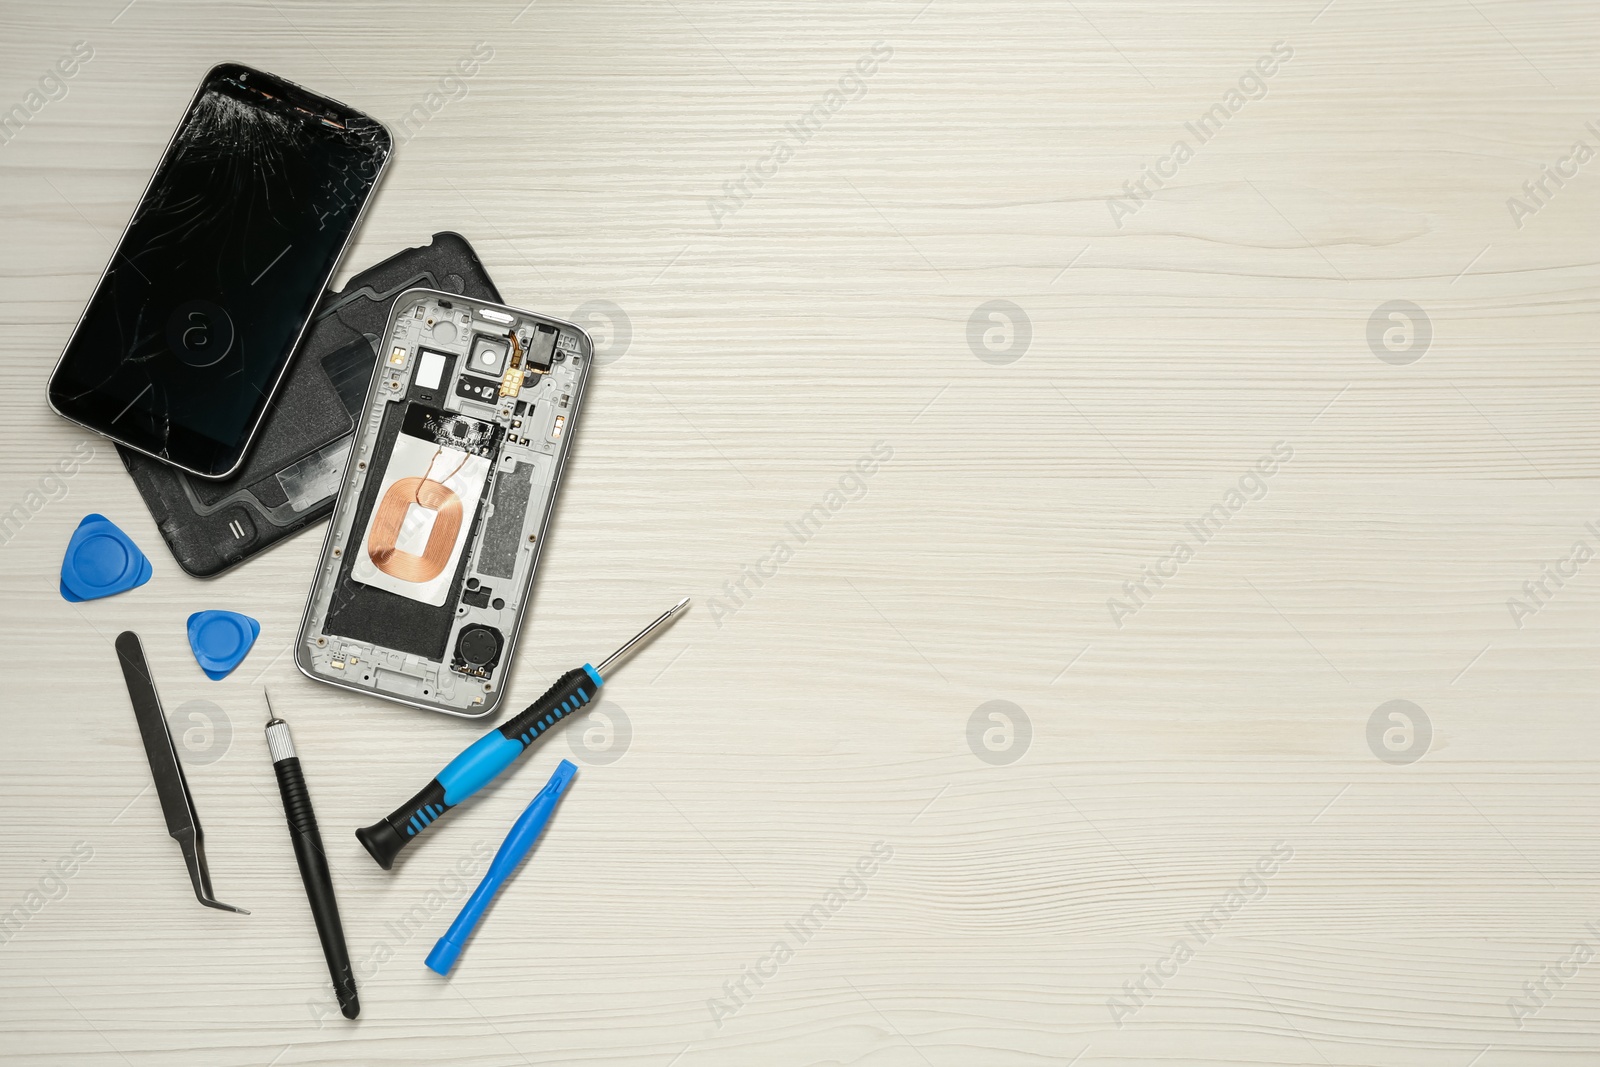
(430, 556)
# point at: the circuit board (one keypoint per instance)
(425, 575)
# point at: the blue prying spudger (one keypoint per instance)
(484, 759)
(513, 850)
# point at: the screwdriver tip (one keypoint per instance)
(271, 717)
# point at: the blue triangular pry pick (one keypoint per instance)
(221, 640)
(101, 560)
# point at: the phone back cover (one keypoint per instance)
(291, 477)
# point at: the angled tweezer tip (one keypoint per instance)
(223, 907)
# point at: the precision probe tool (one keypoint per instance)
(496, 750)
(176, 803)
(313, 861)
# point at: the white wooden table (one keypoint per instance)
(1194, 832)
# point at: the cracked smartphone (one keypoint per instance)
(428, 566)
(184, 343)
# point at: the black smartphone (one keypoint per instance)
(187, 337)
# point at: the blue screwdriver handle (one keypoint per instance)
(513, 850)
(479, 765)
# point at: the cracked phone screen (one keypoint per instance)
(196, 318)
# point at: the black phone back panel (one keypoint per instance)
(291, 477)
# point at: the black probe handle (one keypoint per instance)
(318, 880)
(480, 764)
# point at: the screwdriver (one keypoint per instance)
(485, 758)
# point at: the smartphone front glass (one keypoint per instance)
(242, 226)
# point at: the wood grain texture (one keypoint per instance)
(773, 742)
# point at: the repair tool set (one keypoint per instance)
(429, 421)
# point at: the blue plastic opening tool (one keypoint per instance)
(496, 750)
(518, 843)
(101, 560)
(221, 640)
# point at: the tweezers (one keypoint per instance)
(176, 803)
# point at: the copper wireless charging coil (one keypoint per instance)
(391, 514)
